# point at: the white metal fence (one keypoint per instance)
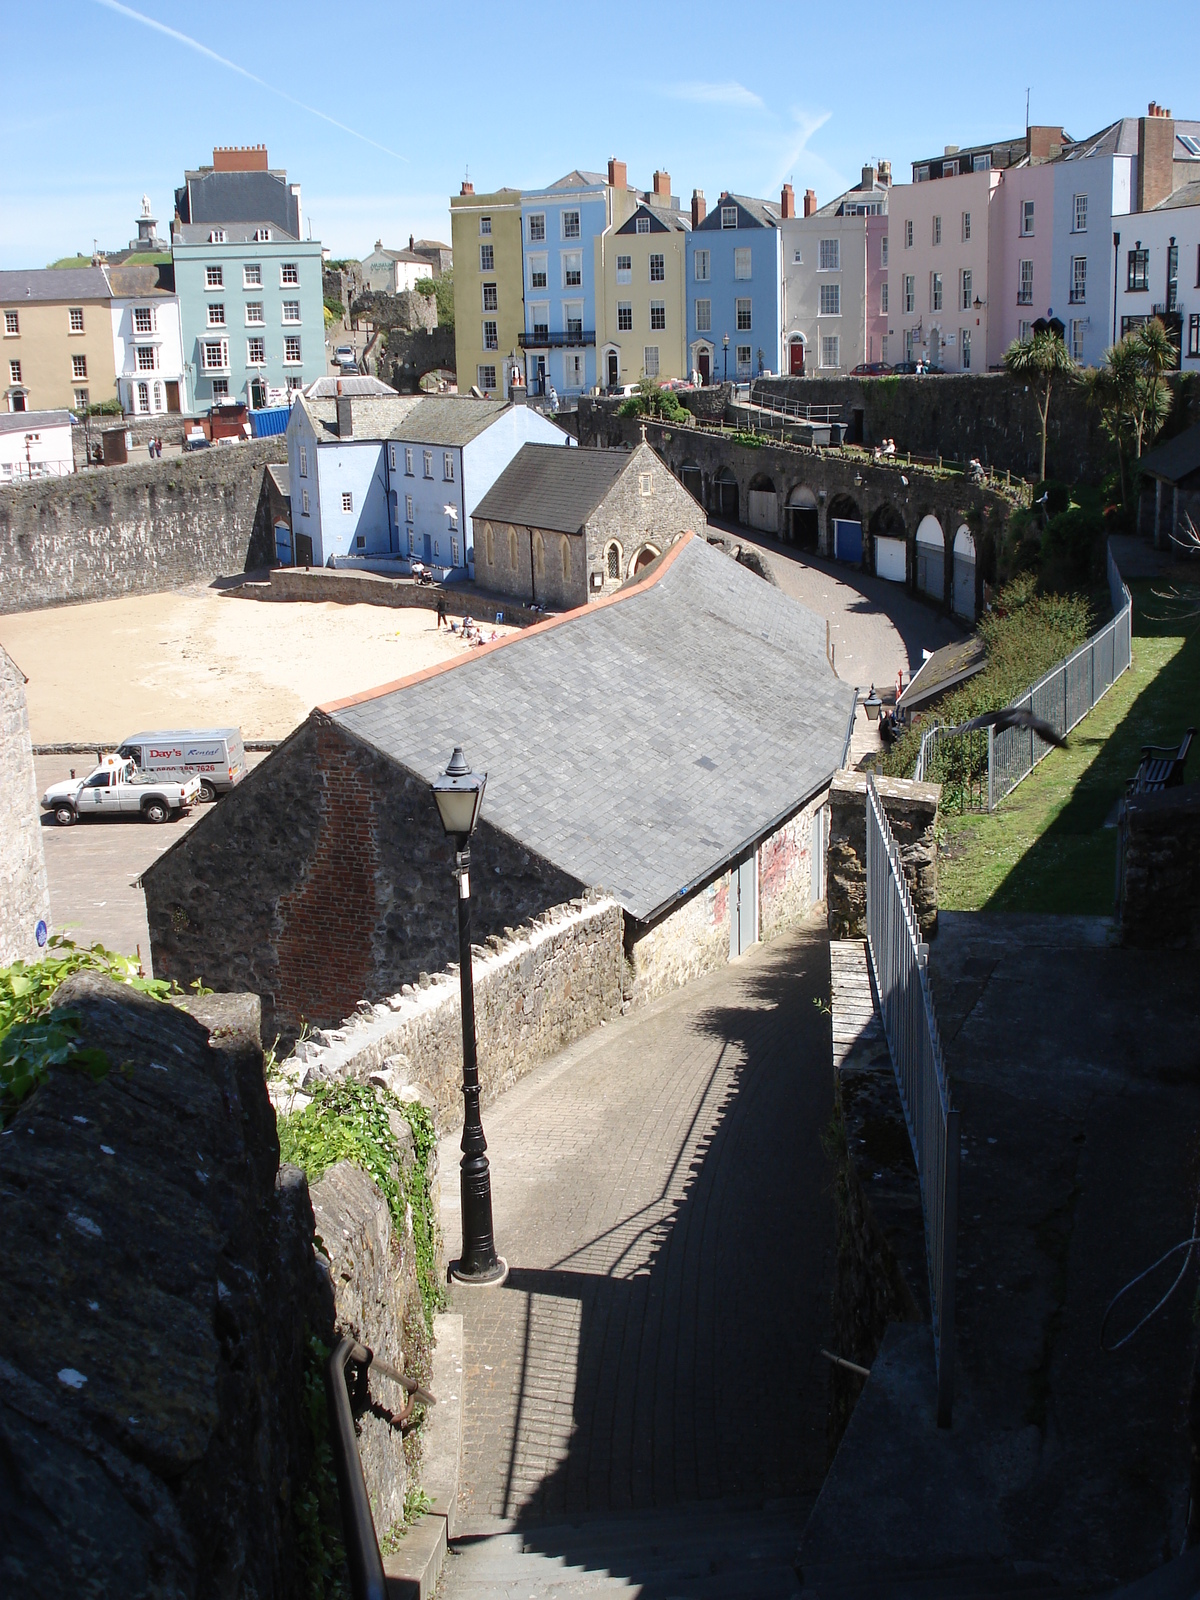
(899, 961)
(1063, 697)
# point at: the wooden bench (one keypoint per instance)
(1161, 766)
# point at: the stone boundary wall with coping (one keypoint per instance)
(912, 810)
(137, 529)
(344, 586)
(1160, 869)
(536, 991)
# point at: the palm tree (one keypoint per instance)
(1130, 392)
(1040, 361)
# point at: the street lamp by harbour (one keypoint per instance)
(872, 705)
(725, 347)
(459, 796)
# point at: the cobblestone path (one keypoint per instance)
(664, 1205)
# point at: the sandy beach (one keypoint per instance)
(194, 658)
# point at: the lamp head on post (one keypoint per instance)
(725, 341)
(459, 795)
(872, 705)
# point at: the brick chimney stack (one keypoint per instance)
(618, 176)
(662, 185)
(787, 201)
(1156, 156)
(699, 208)
(467, 188)
(810, 202)
(240, 158)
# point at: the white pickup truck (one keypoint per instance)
(112, 790)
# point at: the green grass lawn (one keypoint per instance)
(1046, 847)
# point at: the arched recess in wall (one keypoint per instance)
(801, 523)
(644, 557)
(489, 540)
(963, 599)
(692, 480)
(845, 523)
(725, 494)
(539, 555)
(512, 548)
(762, 504)
(613, 562)
(931, 557)
(566, 559)
(890, 544)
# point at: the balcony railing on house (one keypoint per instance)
(540, 340)
(899, 963)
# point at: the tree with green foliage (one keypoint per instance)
(1040, 362)
(1131, 393)
(652, 400)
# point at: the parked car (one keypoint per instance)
(908, 368)
(112, 790)
(344, 356)
(216, 756)
(872, 369)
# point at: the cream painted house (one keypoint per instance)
(489, 301)
(641, 303)
(835, 280)
(57, 339)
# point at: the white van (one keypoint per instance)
(216, 756)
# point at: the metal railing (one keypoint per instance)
(1062, 697)
(780, 405)
(899, 962)
(363, 1559)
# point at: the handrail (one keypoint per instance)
(367, 1580)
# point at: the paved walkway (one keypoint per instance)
(663, 1202)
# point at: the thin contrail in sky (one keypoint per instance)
(202, 49)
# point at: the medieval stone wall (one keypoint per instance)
(1160, 880)
(24, 896)
(137, 529)
(911, 809)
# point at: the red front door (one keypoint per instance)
(797, 367)
(704, 367)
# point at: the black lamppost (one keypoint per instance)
(459, 795)
(725, 347)
(872, 705)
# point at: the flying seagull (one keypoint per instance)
(1013, 717)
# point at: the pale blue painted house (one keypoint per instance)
(734, 276)
(559, 229)
(387, 479)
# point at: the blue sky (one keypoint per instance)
(378, 118)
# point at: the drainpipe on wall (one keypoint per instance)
(532, 573)
(1116, 267)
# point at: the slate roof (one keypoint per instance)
(538, 490)
(235, 232)
(416, 419)
(326, 388)
(375, 416)
(641, 743)
(1175, 460)
(1188, 194)
(761, 213)
(662, 220)
(952, 664)
(579, 179)
(142, 282)
(32, 421)
(281, 477)
(54, 283)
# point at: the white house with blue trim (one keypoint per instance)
(379, 479)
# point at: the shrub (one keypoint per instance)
(1058, 495)
(651, 400)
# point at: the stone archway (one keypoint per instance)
(762, 505)
(846, 531)
(726, 495)
(644, 557)
(963, 590)
(802, 522)
(692, 479)
(889, 543)
(931, 557)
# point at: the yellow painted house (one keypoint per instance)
(489, 304)
(641, 329)
(57, 339)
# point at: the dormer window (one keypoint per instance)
(729, 216)
(262, 235)
(217, 236)
(642, 225)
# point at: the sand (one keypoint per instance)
(195, 658)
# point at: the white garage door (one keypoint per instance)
(763, 510)
(889, 559)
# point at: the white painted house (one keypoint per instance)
(377, 480)
(35, 444)
(152, 375)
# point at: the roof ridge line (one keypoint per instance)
(591, 606)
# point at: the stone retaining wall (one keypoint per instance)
(1160, 881)
(911, 809)
(347, 587)
(137, 529)
(535, 992)
(24, 895)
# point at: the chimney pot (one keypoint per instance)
(787, 201)
(810, 202)
(885, 174)
(467, 188)
(618, 176)
(662, 185)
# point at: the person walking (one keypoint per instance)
(441, 611)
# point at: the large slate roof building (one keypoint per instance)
(322, 878)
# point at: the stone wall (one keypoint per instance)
(159, 1282)
(409, 356)
(136, 529)
(535, 992)
(881, 495)
(911, 809)
(378, 1303)
(785, 873)
(1160, 879)
(24, 896)
(345, 586)
(324, 878)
